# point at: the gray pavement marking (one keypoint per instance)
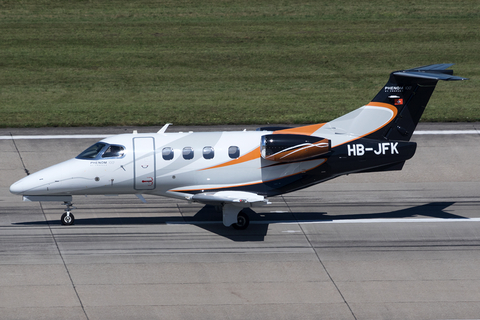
(64, 264)
(321, 262)
(20, 156)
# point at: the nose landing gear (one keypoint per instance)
(67, 218)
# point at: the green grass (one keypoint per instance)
(101, 63)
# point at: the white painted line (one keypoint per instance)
(352, 221)
(430, 220)
(435, 132)
(50, 137)
(102, 136)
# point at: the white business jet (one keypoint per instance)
(237, 170)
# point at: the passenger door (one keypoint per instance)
(144, 163)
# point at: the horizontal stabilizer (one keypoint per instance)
(432, 72)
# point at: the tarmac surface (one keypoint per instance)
(395, 245)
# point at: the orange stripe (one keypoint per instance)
(306, 130)
(203, 190)
(252, 155)
(375, 104)
(384, 105)
(253, 183)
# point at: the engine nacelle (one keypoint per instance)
(292, 147)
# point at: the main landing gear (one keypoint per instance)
(67, 218)
(235, 217)
(242, 221)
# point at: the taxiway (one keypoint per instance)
(397, 245)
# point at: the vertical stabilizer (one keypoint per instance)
(409, 92)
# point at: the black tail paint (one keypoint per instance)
(409, 91)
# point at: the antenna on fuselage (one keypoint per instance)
(164, 128)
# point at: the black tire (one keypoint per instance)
(242, 221)
(67, 220)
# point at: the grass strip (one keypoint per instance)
(103, 63)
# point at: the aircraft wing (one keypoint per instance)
(231, 203)
(238, 198)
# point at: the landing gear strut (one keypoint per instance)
(67, 218)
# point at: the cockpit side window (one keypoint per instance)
(114, 151)
(93, 151)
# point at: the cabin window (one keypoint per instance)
(167, 153)
(208, 153)
(234, 152)
(114, 151)
(93, 151)
(187, 153)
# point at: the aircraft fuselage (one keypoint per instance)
(235, 170)
(175, 164)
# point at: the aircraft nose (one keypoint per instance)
(51, 180)
(19, 187)
(28, 185)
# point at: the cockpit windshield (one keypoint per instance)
(92, 152)
(102, 150)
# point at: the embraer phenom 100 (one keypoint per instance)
(236, 170)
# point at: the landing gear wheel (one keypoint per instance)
(67, 219)
(242, 221)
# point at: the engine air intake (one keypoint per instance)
(292, 147)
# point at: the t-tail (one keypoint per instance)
(387, 122)
(408, 92)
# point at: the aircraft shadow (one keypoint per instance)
(433, 209)
(210, 219)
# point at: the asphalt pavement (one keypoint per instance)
(393, 245)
